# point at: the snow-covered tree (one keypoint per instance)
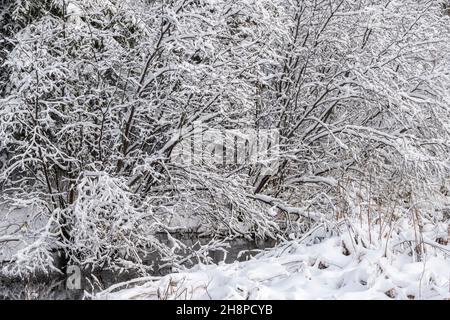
(96, 95)
(111, 86)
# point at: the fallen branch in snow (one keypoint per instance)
(287, 208)
(435, 245)
(133, 281)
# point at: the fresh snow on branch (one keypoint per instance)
(98, 97)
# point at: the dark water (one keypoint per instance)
(55, 288)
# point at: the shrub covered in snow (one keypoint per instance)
(95, 96)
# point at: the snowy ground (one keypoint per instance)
(321, 265)
(335, 268)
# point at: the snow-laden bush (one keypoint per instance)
(106, 226)
(31, 239)
(357, 90)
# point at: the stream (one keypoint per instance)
(56, 288)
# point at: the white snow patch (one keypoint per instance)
(327, 270)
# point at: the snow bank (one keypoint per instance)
(339, 267)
